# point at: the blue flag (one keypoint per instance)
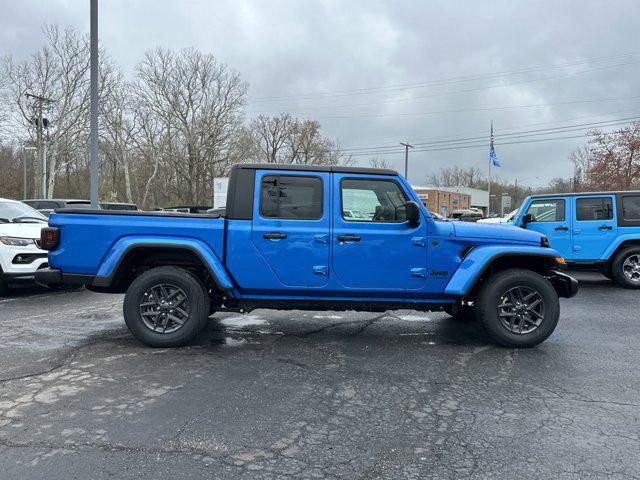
(492, 151)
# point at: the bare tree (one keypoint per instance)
(456, 177)
(615, 158)
(284, 139)
(199, 102)
(377, 162)
(58, 71)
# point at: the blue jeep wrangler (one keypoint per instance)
(313, 238)
(592, 231)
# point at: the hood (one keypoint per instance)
(499, 232)
(22, 230)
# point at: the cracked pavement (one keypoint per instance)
(318, 395)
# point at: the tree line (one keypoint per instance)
(164, 134)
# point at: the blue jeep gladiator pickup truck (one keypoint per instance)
(592, 231)
(314, 238)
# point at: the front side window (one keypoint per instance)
(366, 200)
(291, 197)
(546, 211)
(594, 208)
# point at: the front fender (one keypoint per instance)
(118, 252)
(479, 259)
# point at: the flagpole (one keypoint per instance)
(490, 162)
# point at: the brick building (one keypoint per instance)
(442, 201)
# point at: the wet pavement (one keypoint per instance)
(318, 395)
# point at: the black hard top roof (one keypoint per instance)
(74, 200)
(316, 168)
(575, 194)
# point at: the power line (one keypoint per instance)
(450, 80)
(478, 132)
(484, 109)
(543, 131)
(469, 144)
(469, 90)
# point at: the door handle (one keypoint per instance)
(564, 229)
(605, 227)
(274, 236)
(348, 238)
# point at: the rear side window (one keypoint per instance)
(291, 197)
(594, 208)
(366, 200)
(631, 208)
(547, 210)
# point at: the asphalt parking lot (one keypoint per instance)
(318, 395)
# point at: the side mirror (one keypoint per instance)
(528, 218)
(413, 213)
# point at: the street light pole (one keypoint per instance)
(406, 146)
(93, 133)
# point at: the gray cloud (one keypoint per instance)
(298, 47)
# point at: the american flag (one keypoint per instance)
(492, 151)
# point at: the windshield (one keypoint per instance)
(17, 212)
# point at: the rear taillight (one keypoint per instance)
(49, 238)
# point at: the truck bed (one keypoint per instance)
(91, 235)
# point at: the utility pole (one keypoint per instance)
(406, 146)
(41, 123)
(93, 133)
(24, 170)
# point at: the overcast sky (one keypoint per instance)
(379, 72)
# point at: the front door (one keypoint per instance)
(550, 217)
(594, 227)
(290, 227)
(374, 247)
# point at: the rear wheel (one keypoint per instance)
(166, 307)
(518, 308)
(626, 268)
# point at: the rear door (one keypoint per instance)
(550, 217)
(290, 226)
(594, 226)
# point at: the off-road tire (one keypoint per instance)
(617, 267)
(497, 286)
(198, 306)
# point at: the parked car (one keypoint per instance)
(506, 219)
(285, 243)
(592, 231)
(456, 214)
(189, 208)
(20, 227)
(118, 206)
(48, 205)
(470, 217)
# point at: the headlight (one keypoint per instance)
(17, 242)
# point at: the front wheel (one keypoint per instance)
(166, 307)
(626, 268)
(518, 308)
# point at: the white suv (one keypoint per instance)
(19, 256)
